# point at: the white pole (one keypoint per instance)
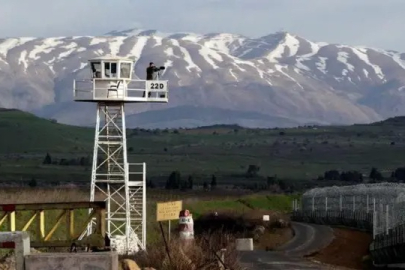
(169, 229)
(340, 202)
(374, 204)
(354, 203)
(374, 224)
(367, 203)
(313, 204)
(386, 218)
(326, 204)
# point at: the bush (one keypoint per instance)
(198, 254)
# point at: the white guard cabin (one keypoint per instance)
(111, 81)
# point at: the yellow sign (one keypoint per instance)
(168, 210)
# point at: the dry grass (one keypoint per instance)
(198, 254)
(43, 195)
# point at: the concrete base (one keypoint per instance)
(244, 244)
(20, 241)
(72, 261)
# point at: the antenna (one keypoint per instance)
(120, 183)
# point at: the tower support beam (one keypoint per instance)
(126, 211)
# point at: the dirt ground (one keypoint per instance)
(347, 249)
(273, 239)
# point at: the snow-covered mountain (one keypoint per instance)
(280, 79)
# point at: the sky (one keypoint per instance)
(374, 23)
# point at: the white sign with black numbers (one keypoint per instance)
(156, 86)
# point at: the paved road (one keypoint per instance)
(308, 239)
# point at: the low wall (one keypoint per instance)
(244, 244)
(72, 261)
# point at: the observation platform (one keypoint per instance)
(131, 91)
(111, 81)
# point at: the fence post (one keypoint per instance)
(326, 204)
(386, 218)
(374, 224)
(374, 204)
(354, 203)
(367, 203)
(313, 204)
(340, 202)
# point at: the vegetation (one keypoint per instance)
(198, 202)
(258, 159)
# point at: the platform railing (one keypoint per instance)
(135, 91)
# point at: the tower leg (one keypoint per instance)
(110, 178)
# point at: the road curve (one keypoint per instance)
(307, 239)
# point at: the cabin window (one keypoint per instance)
(125, 70)
(110, 70)
(96, 69)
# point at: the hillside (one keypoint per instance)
(226, 151)
(258, 81)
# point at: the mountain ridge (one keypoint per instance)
(278, 75)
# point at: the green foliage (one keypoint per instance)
(213, 182)
(293, 154)
(174, 180)
(32, 183)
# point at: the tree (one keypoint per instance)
(150, 184)
(332, 175)
(173, 182)
(190, 182)
(205, 186)
(33, 182)
(271, 180)
(47, 159)
(351, 176)
(213, 182)
(399, 174)
(252, 171)
(375, 175)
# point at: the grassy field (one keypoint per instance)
(293, 154)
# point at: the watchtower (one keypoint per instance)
(122, 183)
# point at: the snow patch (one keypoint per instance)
(206, 53)
(95, 41)
(292, 44)
(233, 75)
(168, 63)
(71, 45)
(322, 65)
(158, 41)
(22, 59)
(12, 43)
(279, 69)
(138, 47)
(116, 44)
(192, 37)
(169, 52)
(362, 54)
(343, 57)
(82, 65)
(187, 56)
(48, 45)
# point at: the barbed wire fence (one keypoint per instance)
(376, 207)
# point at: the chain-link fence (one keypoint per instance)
(381, 205)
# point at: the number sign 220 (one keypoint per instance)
(157, 86)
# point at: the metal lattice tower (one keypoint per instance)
(113, 176)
